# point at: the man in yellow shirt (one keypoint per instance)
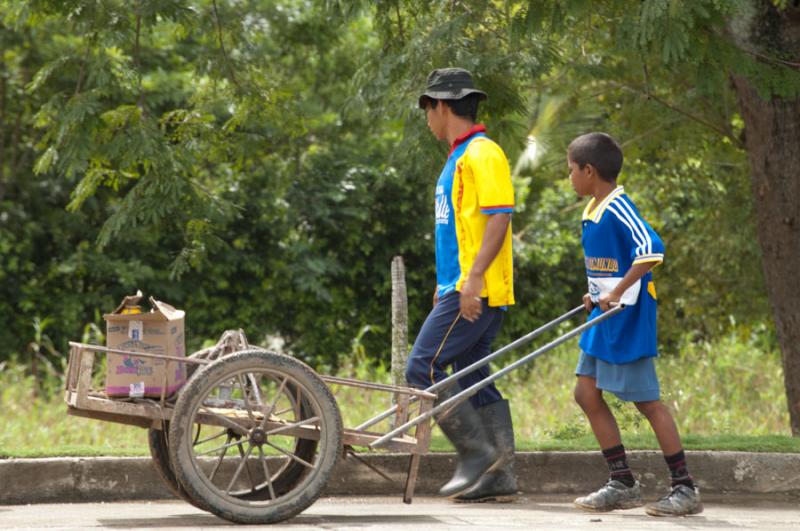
(474, 199)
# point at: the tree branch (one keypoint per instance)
(2, 128)
(399, 23)
(222, 46)
(82, 71)
(137, 58)
(772, 60)
(702, 121)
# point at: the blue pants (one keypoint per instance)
(446, 339)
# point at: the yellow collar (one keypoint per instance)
(595, 213)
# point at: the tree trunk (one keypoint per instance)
(772, 130)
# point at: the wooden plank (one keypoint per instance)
(72, 368)
(86, 362)
(411, 478)
(376, 386)
(110, 417)
(401, 417)
(423, 436)
(423, 432)
(360, 438)
(144, 409)
(98, 348)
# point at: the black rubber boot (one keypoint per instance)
(500, 484)
(463, 427)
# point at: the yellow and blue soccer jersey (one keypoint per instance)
(615, 237)
(475, 183)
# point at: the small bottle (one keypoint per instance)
(131, 304)
(128, 310)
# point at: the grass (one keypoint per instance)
(726, 395)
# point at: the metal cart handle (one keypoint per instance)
(468, 392)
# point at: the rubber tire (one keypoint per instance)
(291, 475)
(307, 488)
(159, 451)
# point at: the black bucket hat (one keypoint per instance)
(449, 84)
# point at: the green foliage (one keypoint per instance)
(259, 163)
(725, 395)
(235, 183)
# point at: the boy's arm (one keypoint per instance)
(493, 238)
(637, 271)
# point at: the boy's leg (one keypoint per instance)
(604, 425)
(684, 498)
(621, 491)
(663, 425)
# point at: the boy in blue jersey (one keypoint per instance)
(620, 249)
(473, 202)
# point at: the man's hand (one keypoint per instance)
(587, 302)
(470, 299)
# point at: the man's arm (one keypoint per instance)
(493, 238)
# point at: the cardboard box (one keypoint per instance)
(159, 331)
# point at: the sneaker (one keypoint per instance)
(680, 502)
(613, 495)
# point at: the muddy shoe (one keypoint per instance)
(613, 495)
(680, 502)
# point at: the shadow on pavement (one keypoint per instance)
(209, 520)
(630, 516)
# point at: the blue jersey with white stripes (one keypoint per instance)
(615, 237)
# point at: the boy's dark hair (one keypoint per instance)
(599, 150)
(466, 107)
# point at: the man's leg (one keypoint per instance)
(499, 484)
(444, 337)
(483, 347)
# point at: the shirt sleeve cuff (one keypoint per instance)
(498, 209)
(657, 258)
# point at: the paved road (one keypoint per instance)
(428, 514)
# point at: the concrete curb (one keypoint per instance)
(59, 480)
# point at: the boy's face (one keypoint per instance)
(581, 179)
(436, 119)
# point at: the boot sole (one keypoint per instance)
(504, 498)
(492, 468)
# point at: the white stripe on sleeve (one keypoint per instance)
(638, 221)
(634, 233)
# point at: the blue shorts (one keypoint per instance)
(631, 382)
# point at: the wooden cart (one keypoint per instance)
(253, 436)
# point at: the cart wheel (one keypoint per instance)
(159, 451)
(270, 435)
(285, 478)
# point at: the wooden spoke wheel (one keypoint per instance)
(254, 437)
